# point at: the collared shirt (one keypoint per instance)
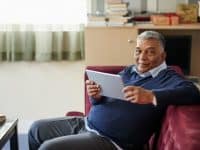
(153, 72)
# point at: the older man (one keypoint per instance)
(150, 86)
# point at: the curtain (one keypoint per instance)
(42, 30)
(41, 42)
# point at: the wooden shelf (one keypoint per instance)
(171, 27)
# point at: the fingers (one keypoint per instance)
(89, 82)
(132, 94)
(92, 88)
(128, 88)
(138, 95)
(91, 85)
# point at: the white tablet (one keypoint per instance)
(111, 84)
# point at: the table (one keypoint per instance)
(8, 131)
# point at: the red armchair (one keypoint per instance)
(180, 129)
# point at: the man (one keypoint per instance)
(150, 86)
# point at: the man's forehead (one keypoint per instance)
(147, 42)
(146, 47)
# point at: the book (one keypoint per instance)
(96, 18)
(122, 5)
(119, 19)
(116, 9)
(117, 13)
(114, 1)
(96, 23)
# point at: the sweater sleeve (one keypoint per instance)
(185, 93)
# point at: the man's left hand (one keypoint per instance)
(136, 94)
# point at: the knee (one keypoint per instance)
(38, 131)
(34, 129)
(34, 138)
(49, 145)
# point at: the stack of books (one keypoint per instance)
(94, 20)
(117, 12)
(116, 8)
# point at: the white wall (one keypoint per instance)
(167, 6)
(152, 6)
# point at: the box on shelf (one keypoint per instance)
(165, 19)
(160, 20)
(174, 20)
(188, 13)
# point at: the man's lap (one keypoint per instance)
(51, 128)
(66, 133)
(86, 140)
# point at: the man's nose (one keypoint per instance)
(143, 56)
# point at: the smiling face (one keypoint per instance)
(149, 54)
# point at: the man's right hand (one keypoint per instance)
(93, 89)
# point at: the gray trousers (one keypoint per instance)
(67, 133)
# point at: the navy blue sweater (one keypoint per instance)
(132, 124)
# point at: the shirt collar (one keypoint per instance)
(153, 72)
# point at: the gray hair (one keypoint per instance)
(152, 35)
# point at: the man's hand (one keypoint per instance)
(93, 89)
(138, 95)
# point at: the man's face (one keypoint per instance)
(148, 54)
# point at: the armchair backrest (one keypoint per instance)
(113, 70)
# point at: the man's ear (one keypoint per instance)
(164, 55)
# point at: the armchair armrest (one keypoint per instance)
(74, 113)
(181, 129)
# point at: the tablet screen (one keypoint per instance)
(111, 84)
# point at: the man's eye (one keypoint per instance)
(151, 52)
(137, 51)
